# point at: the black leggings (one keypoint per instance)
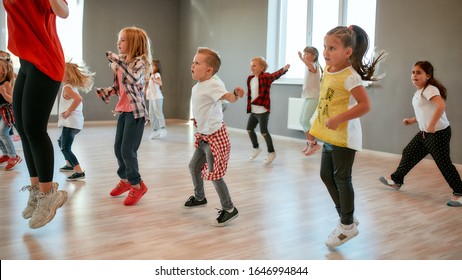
(34, 94)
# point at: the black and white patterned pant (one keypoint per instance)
(437, 145)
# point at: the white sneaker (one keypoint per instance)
(154, 134)
(340, 235)
(32, 201)
(163, 133)
(270, 157)
(255, 153)
(47, 205)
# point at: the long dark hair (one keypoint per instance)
(356, 38)
(428, 69)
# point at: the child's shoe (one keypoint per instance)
(154, 134)
(456, 201)
(121, 187)
(47, 205)
(193, 202)
(135, 194)
(76, 176)
(163, 132)
(340, 235)
(270, 157)
(224, 217)
(390, 182)
(255, 153)
(12, 162)
(66, 168)
(4, 159)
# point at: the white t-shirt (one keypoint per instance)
(75, 119)
(311, 82)
(424, 109)
(154, 91)
(206, 105)
(256, 109)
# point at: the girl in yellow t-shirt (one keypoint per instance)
(342, 101)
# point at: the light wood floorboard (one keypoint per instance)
(285, 210)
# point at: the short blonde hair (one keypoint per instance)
(212, 58)
(261, 60)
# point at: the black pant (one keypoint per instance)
(437, 145)
(254, 119)
(336, 169)
(34, 94)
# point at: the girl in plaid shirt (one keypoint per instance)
(131, 73)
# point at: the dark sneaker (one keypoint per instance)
(193, 202)
(224, 217)
(76, 176)
(66, 168)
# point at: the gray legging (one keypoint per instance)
(34, 94)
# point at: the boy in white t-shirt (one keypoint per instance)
(210, 159)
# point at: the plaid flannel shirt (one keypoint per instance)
(220, 147)
(133, 82)
(264, 85)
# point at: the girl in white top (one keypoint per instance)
(310, 94)
(434, 135)
(343, 99)
(156, 100)
(71, 115)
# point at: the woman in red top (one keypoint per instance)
(34, 39)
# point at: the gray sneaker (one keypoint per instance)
(47, 205)
(32, 202)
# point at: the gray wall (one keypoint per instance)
(104, 19)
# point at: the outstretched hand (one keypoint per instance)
(286, 67)
(239, 91)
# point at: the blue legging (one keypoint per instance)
(34, 94)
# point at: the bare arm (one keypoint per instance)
(70, 94)
(308, 64)
(60, 8)
(360, 109)
(408, 121)
(440, 106)
(6, 90)
(233, 96)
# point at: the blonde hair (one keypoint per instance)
(261, 60)
(79, 76)
(212, 58)
(139, 45)
(7, 64)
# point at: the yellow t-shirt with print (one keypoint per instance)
(335, 98)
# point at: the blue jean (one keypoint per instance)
(336, 168)
(65, 144)
(203, 155)
(263, 119)
(156, 114)
(6, 144)
(128, 137)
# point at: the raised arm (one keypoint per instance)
(234, 96)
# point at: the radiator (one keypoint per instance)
(295, 109)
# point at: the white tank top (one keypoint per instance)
(75, 119)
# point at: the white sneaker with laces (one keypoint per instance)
(163, 133)
(340, 235)
(154, 134)
(270, 157)
(255, 153)
(47, 205)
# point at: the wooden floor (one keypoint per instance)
(285, 210)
